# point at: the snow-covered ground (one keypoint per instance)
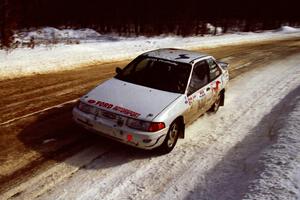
(95, 48)
(248, 150)
(48, 34)
(278, 166)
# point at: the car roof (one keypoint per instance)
(179, 55)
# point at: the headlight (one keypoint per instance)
(85, 107)
(145, 126)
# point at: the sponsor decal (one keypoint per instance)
(216, 88)
(129, 138)
(119, 109)
(186, 101)
(202, 93)
(190, 99)
(126, 111)
(100, 103)
(182, 56)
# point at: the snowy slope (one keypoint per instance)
(287, 29)
(48, 33)
(280, 161)
(103, 48)
(249, 149)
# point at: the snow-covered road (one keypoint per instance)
(222, 157)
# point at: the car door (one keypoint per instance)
(198, 90)
(214, 79)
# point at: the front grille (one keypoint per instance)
(101, 113)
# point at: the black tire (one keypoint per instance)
(216, 105)
(171, 138)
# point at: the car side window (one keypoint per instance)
(199, 77)
(214, 70)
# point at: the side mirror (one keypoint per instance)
(224, 65)
(118, 70)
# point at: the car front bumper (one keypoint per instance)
(124, 134)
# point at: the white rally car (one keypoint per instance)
(149, 102)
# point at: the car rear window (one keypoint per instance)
(214, 70)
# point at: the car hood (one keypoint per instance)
(130, 99)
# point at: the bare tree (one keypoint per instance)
(5, 30)
(8, 21)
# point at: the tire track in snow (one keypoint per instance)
(187, 150)
(175, 174)
(199, 155)
(38, 112)
(41, 183)
(130, 189)
(283, 81)
(193, 153)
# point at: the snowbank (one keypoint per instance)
(53, 33)
(105, 48)
(280, 177)
(287, 29)
(213, 30)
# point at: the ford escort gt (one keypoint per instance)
(149, 102)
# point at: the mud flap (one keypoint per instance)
(181, 133)
(222, 100)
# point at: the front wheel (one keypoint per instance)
(171, 138)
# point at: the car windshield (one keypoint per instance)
(157, 73)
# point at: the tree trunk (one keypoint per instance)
(7, 22)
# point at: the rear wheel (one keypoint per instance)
(171, 138)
